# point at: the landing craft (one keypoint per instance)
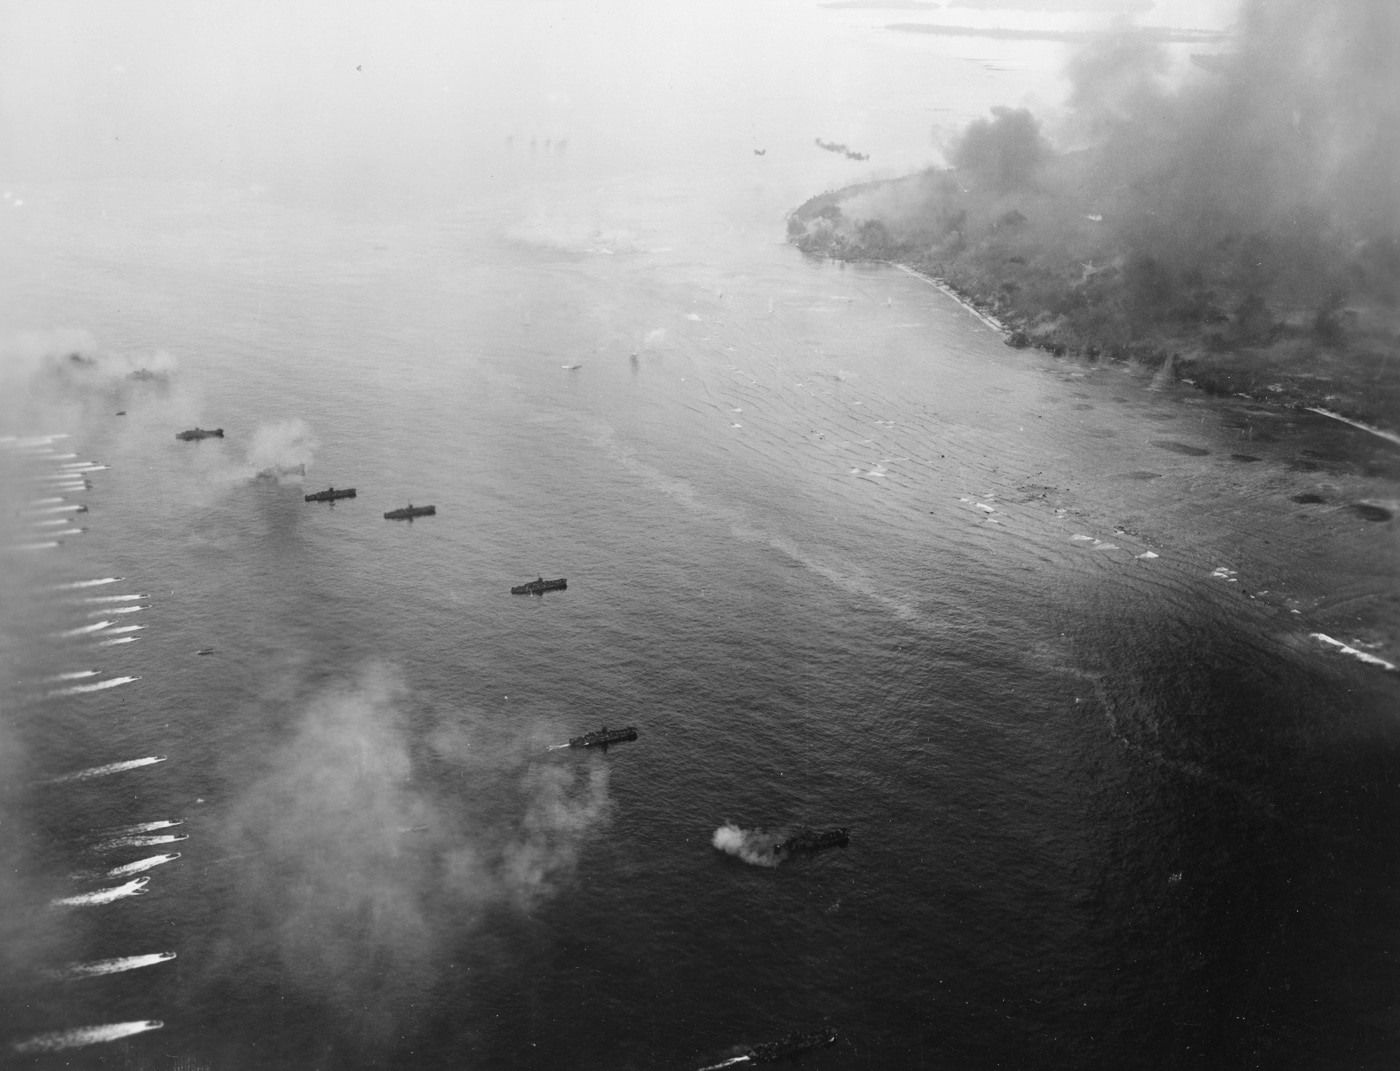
(409, 512)
(540, 586)
(199, 433)
(787, 1048)
(600, 738)
(330, 494)
(815, 840)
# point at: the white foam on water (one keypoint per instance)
(68, 532)
(119, 639)
(134, 887)
(142, 864)
(73, 507)
(85, 1035)
(100, 686)
(31, 546)
(109, 768)
(72, 675)
(43, 501)
(1147, 554)
(49, 524)
(115, 598)
(88, 583)
(143, 827)
(141, 842)
(76, 464)
(99, 967)
(85, 628)
(1362, 656)
(123, 628)
(116, 610)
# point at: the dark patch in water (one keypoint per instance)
(1140, 474)
(1179, 448)
(1118, 399)
(1300, 465)
(1160, 416)
(1101, 433)
(1309, 499)
(1244, 457)
(1368, 512)
(1082, 406)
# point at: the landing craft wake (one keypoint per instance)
(142, 841)
(86, 628)
(142, 864)
(143, 827)
(115, 598)
(134, 887)
(85, 1035)
(99, 967)
(88, 583)
(119, 639)
(77, 674)
(100, 686)
(103, 771)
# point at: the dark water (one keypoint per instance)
(839, 555)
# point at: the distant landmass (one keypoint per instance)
(1163, 34)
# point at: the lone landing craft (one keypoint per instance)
(786, 1048)
(409, 512)
(815, 840)
(600, 738)
(330, 494)
(199, 433)
(540, 586)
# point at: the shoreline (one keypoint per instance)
(1294, 361)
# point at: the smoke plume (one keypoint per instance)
(362, 880)
(753, 846)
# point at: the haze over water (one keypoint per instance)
(1042, 634)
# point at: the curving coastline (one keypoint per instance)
(1047, 275)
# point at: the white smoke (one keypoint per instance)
(751, 845)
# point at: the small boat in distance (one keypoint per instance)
(793, 1045)
(814, 840)
(603, 737)
(199, 433)
(330, 494)
(540, 586)
(409, 512)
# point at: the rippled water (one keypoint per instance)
(1039, 633)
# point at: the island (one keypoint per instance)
(1236, 232)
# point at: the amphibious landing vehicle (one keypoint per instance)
(409, 512)
(540, 586)
(603, 737)
(793, 1045)
(815, 840)
(199, 433)
(330, 494)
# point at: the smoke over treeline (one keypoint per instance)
(1252, 203)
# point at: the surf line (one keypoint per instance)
(939, 284)
(1388, 436)
(85, 1035)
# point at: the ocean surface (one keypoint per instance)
(1043, 634)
